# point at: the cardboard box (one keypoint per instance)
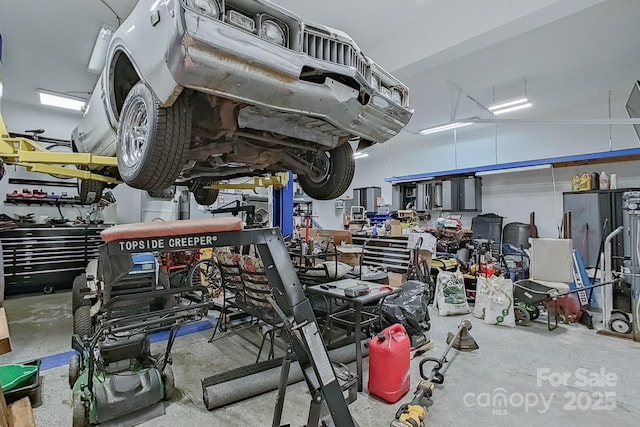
(429, 241)
(349, 255)
(5, 341)
(427, 255)
(396, 228)
(397, 279)
(337, 236)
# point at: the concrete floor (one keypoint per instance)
(519, 376)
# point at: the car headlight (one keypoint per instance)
(396, 96)
(385, 91)
(375, 82)
(206, 7)
(242, 21)
(273, 32)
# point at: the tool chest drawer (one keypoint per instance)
(45, 257)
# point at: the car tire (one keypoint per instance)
(152, 140)
(336, 174)
(204, 196)
(90, 191)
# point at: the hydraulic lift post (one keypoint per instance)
(283, 208)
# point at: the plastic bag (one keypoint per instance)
(482, 297)
(409, 307)
(451, 296)
(494, 301)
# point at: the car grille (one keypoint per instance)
(337, 52)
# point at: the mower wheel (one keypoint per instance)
(534, 313)
(79, 411)
(521, 315)
(620, 324)
(74, 369)
(82, 321)
(163, 280)
(79, 283)
(622, 313)
(169, 383)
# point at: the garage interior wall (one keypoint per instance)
(511, 195)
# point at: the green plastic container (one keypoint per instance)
(16, 376)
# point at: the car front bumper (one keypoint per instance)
(213, 57)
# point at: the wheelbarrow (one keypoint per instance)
(530, 295)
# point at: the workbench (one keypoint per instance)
(355, 317)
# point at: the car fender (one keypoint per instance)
(94, 133)
(145, 45)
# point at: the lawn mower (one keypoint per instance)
(90, 293)
(114, 377)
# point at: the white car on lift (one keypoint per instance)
(198, 91)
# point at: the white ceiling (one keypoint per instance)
(571, 52)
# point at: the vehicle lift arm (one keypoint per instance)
(35, 158)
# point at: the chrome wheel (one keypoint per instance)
(152, 140)
(136, 133)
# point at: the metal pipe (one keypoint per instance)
(606, 292)
(244, 387)
(635, 271)
(631, 205)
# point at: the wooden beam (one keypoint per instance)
(5, 341)
(4, 411)
(21, 414)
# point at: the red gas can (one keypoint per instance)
(389, 364)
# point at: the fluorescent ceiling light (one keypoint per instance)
(508, 106)
(99, 53)
(514, 108)
(61, 101)
(505, 104)
(0, 89)
(360, 155)
(512, 170)
(442, 128)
